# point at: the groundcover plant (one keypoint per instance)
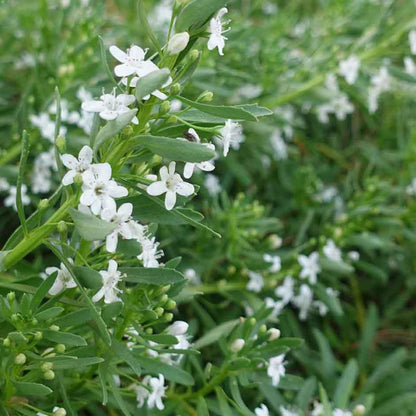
(208, 207)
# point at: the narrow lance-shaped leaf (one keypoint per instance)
(90, 227)
(151, 82)
(197, 13)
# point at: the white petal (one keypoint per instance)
(87, 197)
(185, 188)
(68, 178)
(172, 167)
(85, 155)
(93, 106)
(96, 207)
(188, 170)
(108, 214)
(56, 287)
(126, 99)
(112, 266)
(98, 296)
(111, 242)
(69, 161)
(160, 95)
(136, 52)
(88, 179)
(108, 115)
(118, 53)
(124, 70)
(125, 211)
(206, 166)
(103, 171)
(118, 191)
(108, 203)
(164, 174)
(170, 200)
(157, 188)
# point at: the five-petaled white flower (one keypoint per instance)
(349, 69)
(262, 410)
(310, 267)
(231, 135)
(80, 165)
(63, 279)
(206, 166)
(110, 106)
(332, 251)
(340, 412)
(303, 301)
(158, 388)
(216, 29)
(287, 412)
(275, 261)
(255, 282)
(121, 218)
(276, 369)
(171, 183)
(150, 254)
(132, 61)
(286, 290)
(99, 190)
(109, 290)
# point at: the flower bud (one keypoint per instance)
(78, 179)
(274, 334)
(49, 375)
(15, 317)
(164, 108)
(60, 348)
(6, 342)
(170, 304)
(149, 331)
(38, 335)
(43, 204)
(54, 328)
(359, 410)
(178, 328)
(163, 299)
(193, 55)
(237, 345)
(159, 311)
(175, 89)
(205, 97)
(34, 321)
(168, 316)
(11, 296)
(177, 43)
(172, 120)
(127, 131)
(46, 366)
(60, 143)
(59, 411)
(262, 329)
(275, 241)
(62, 227)
(20, 359)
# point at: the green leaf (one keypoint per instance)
(324, 400)
(64, 338)
(164, 339)
(197, 13)
(221, 331)
(226, 112)
(76, 318)
(346, 384)
(49, 313)
(88, 277)
(306, 393)
(336, 267)
(112, 128)
(90, 227)
(201, 407)
(368, 335)
(31, 389)
(171, 373)
(124, 354)
(327, 366)
(42, 291)
(176, 149)
(151, 82)
(222, 401)
(68, 363)
(291, 382)
(151, 276)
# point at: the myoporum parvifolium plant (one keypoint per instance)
(95, 332)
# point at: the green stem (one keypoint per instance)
(36, 237)
(12, 153)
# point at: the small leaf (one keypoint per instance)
(68, 363)
(176, 149)
(49, 313)
(197, 13)
(42, 291)
(324, 400)
(346, 384)
(151, 276)
(124, 354)
(88, 277)
(64, 338)
(221, 331)
(112, 128)
(90, 227)
(223, 402)
(151, 82)
(31, 389)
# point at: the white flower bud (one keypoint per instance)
(177, 43)
(178, 328)
(237, 345)
(359, 410)
(274, 334)
(20, 359)
(59, 411)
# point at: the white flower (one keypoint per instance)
(322, 308)
(278, 145)
(381, 82)
(71, 117)
(411, 189)
(109, 290)
(255, 282)
(331, 83)
(99, 190)
(178, 328)
(150, 252)
(349, 69)
(412, 41)
(10, 201)
(285, 291)
(287, 412)
(275, 261)
(132, 62)
(80, 165)
(192, 276)
(231, 135)
(332, 251)
(303, 301)
(410, 66)
(63, 279)
(216, 28)
(121, 218)
(46, 126)
(142, 393)
(171, 183)
(318, 409)
(4, 185)
(276, 369)
(206, 166)
(178, 42)
(41, 176)
(354, 255)
(342, 106)
(276, 305)
(332, 292)
(212, 183)
(340, 412)
(262, 410)
(110, 106)
(157, 392)
(310, 267)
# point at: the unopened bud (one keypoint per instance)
(78, 179)
(177, 43)
(60, 348)
(38, 335)
(168, 316)
(54, 328)
(172, 120)
(49, 375)
(193, 55)
(275, 241)
(175, 89)
(164, 108)
(62, 227)
(205, 97)
(46, 366)
(274, 334)
(59, 411)
(20, 359)
(163, 299)
(170, 304)
(15, 317)
(127, 131)
(359, 410)
(11, 296)
(34, 322)
(178, 328)
(43, 204)
(6, 342)
(262, 329)
(159, 311)
(237, 345)
(149, 331)
(60, 143)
